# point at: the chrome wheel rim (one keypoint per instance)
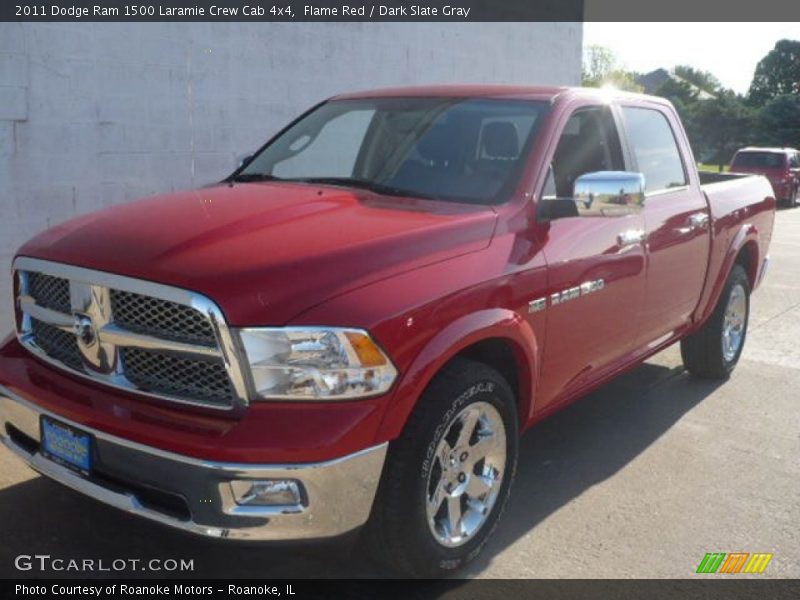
(734, 323)
(466, 475)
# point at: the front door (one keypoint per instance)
(596, 265)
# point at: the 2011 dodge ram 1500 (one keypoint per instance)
(357, 324)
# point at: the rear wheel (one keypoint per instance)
(713, 351)
(448, 476)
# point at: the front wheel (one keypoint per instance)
(448, 476)
(713, 351)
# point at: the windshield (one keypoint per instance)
(469, 150)
(761, 160)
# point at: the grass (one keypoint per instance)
(711, 168)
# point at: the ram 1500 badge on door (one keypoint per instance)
(355, 327)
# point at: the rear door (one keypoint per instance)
(595, 265)
(677, 220)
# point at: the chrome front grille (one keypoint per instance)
(50, 292)
(140, 336)
(176, 376)
(57, 343)
(161, 318)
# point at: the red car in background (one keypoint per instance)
(780, 165)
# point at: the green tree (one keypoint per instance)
(683, 98)
(598, 61)
(779, 121)
(702, 79)
(718, 126)
(680, 93)
(601, 68)
(778, 73)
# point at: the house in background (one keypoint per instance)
(652, 81)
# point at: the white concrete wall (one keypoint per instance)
(93, 114)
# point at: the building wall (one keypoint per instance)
(94, 114)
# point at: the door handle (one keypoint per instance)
(698, 220)
(631, 236)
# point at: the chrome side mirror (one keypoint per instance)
(609, 194)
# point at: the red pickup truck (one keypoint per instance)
(780, 165)
(355, 327)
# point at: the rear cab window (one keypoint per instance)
(759, 159)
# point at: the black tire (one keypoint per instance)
(399, 530)
(793, 199)
(702, 352)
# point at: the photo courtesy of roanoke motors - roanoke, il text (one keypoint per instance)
(177, 589)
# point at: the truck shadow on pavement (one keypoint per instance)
(559, 459)
(590, 441)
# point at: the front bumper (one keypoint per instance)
(194, 495)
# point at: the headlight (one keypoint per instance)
(297, 363)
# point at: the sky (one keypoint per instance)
(730, 51)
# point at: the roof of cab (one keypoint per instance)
(459, 91)
(533, 92)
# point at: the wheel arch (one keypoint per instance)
(747, 257)
(743, 250)
(491, 336)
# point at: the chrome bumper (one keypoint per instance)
(145, 481)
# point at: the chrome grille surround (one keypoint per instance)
(89, 341)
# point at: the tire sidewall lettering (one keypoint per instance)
(483, 387)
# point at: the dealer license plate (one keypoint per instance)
(66, 445)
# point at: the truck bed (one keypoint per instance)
(740, 206)
(710, 177)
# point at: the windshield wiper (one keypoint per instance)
(247, 177)
(378, 188)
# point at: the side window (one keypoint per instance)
(794, 161)
(655, 148)
(588, 143)
(335, 146)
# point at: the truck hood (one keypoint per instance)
(266, 252)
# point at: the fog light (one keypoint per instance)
(273, 492)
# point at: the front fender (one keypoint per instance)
(458, 335)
